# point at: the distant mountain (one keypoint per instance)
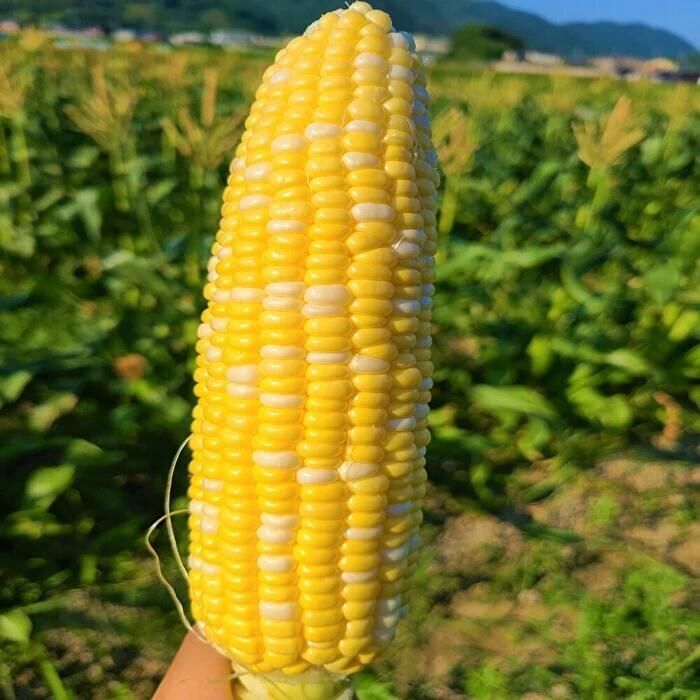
(536, 32)
(292, 16)
(576, 38)
(613, 39)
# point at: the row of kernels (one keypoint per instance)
(328, 330)
(282, 368)
(369, 279)
(403, 322)
(207, 473)
(248, 246)
(427, 182)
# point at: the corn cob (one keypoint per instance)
(313, 372)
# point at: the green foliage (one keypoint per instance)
(482, 42)
(567, 302)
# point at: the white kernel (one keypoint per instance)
(280, 77)
(311, 29)
(426, 384)
(278, 611)
(364, 533)
(284, 522)
(386, 621)
(384, 637)
(365, 364)
(289, 143)
(247, 294)
(259, 172)
(312, 477)
(388, 605)
(401, 424)
(196, 507)
(431, 158)
(242, 391)
(282, 303)
(370, 60)
(194, 562)
(276, 460)
(401, 73)
(211, 265)
(219, 324)
(222, 296)
(419, 109)
(405, 249)
(209, 526)
(356, 160)
(327, 294)
(243, 374)
(210, 569)
(285, 226)
(361, 7)
(409, 40)
(212, 485)
(421, 94)
(212, 277)
(371, 211)
(281, 400)
(353, 471)
(213, 354)
(254, 201)
(204, 330)
(275, 564)
(363, 126)
(422, 123)
(319, 311)
(328, 358)
(406, 307)
(317, 131)
(359, 576)
(282, 352)
(237, 164)
(412, 235)
(397, 509)
(394, 555)
(422, 411)
(421, 451)
(398, 40)
(286, 289)
(224, 253)
(274, 536)
(209, 510)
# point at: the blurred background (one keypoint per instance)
(562, 536)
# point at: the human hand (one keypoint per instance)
(197, 671)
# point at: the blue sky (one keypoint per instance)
(679, 16)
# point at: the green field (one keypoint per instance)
(561, 524)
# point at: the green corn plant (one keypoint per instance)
(602, 145)
(456, 148)
(15, 80)
(173, 79)
(205, 144)
(106, 118)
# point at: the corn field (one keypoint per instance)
(567, 332)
